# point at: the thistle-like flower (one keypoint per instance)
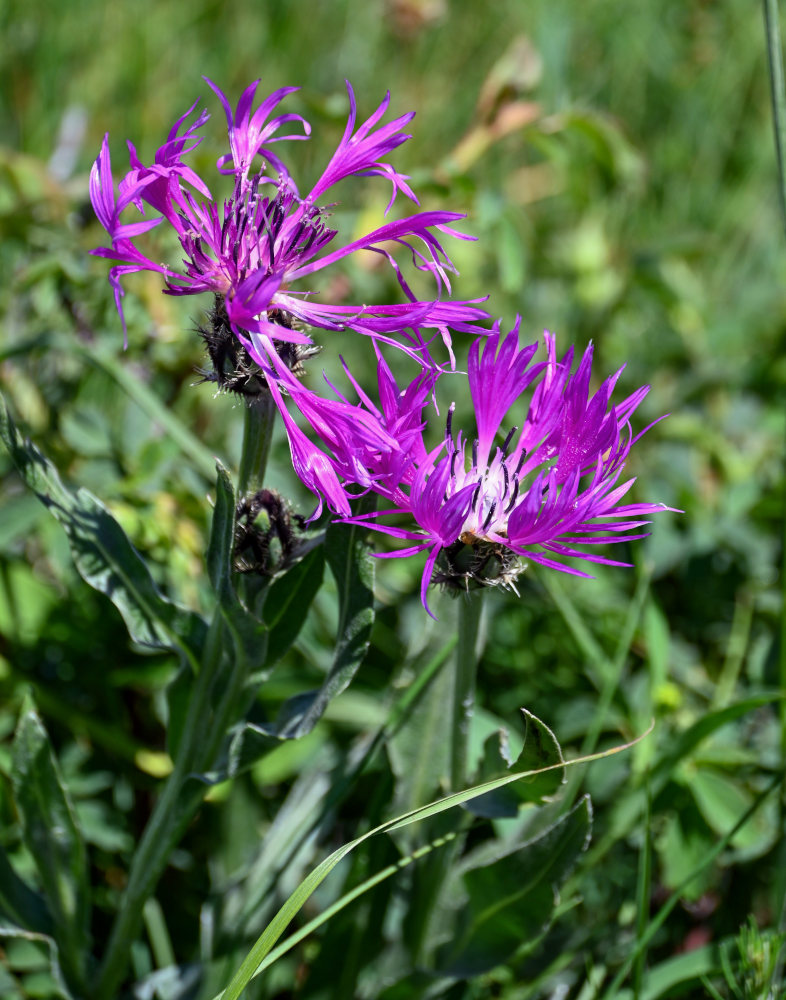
(266, 237)
(540, 491)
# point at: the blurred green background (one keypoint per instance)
(616, 164)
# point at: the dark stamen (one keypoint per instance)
(490, 515)
(475, 453)
(513, 496)
(507, 440)
(243, 223)
(449, 422)
(475, 496)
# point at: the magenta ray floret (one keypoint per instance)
(252, 247)
(543, 489)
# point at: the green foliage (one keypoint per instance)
(348, 556)
(616, 163)
(103, 555)
(55, 844)
(510, 899)
(540, 750)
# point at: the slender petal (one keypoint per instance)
(251, 248)
(543, 492)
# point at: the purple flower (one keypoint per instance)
(353, 437)
(250, 249)
(542, 490)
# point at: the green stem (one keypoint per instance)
(167, 822)
(470, 613)
(469, 617)
(257, 432)
(206, 724)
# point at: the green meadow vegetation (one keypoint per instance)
(616, 163)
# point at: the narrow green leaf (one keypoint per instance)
(249, 636)
(352, 564)
(287, 602)
(20, 903)
(294, 904)
(158, 933)
(510, 901)
(178, 693)
(103, 554)
(248, 743)
(349, 897)
(419, 750)
(222, 534)
(51, 835)
(681, 969)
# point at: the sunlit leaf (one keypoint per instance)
(103, 554)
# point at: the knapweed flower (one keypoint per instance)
(250, 249)
(541, 490)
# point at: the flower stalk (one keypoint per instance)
(207, 721)
(470, 640)
(258, 421)
(169, 819)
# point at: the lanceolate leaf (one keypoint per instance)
(249, 635)
(103, 554)
(19, 903)
(51, 835)
(352, 564)
(288, 600)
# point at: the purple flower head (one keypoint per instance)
(251, 248)
(541, 490)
